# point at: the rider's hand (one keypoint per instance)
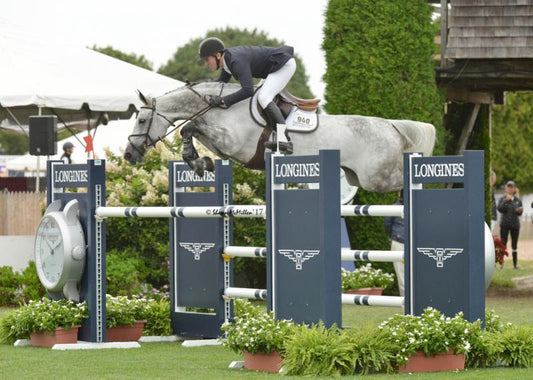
(216, 101)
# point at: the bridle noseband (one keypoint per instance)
(148, 141)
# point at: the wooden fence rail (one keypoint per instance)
(20, 212)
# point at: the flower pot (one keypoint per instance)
(445, 361)
(262, 362)
(61, 335)
(366, 291)
(125, 333)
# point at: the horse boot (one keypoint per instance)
(188, 152)
(191, 157)
(274, 117)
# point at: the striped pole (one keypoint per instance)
(236, 251)
(182, 212)
(388, 301)
(372, 210)
(377, 256)
(255, 294)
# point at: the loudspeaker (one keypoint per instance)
(43, 135)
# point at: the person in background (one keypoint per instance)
(394, 227)
(510, 206)
(68, 148)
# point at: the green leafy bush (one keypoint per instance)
(8, 286)
(517, 344)
(125, 273)
(255, 331)
(379, 63)
(366, 276)
(318, 351)
(157, 317)
(43, 315)
(17, 288)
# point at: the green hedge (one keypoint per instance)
(379, 63)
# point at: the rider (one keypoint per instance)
(275, 65)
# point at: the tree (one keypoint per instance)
(379, 63)
(512, 139)
(13, 144)
(134, 59)
(185, 66)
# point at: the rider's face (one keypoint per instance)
(211, 62)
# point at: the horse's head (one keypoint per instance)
(158, 114)
(150, 127)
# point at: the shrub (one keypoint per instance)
(18, 288)
(157, 317)
(30, 287)
(8, 286)
(125, 273)
(373, 351)
(318, 351)
(517, 344)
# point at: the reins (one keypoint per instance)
(148, 142)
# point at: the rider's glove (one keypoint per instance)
(216, 101)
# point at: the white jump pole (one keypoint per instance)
(182, 212)
(238, 251)
(372, 210)
(378, 256)
(255, 294)
(388, 301)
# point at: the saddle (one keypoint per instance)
(300, 114)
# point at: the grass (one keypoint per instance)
(171, 360)
(503, 277)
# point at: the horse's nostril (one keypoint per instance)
(127, 155)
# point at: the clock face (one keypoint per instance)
(49, 250)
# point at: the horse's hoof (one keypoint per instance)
(209, 164)
(199, 168)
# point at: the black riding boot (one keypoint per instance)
(274, 117)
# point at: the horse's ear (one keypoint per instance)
(142, 97)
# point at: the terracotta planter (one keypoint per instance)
(262, 362)
(47, 339)
(125, 333)
(366, 291)
(445, 361)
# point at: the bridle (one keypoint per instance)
(148, 141)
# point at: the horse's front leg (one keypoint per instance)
(190, 155)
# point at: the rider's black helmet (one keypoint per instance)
(210, 47)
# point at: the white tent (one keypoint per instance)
(74, 82)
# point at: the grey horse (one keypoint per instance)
(371, 148)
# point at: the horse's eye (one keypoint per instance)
(141, 121)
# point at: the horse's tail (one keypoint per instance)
(418, 136)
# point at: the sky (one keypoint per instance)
(156, 28)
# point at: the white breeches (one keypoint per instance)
(275, 82)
